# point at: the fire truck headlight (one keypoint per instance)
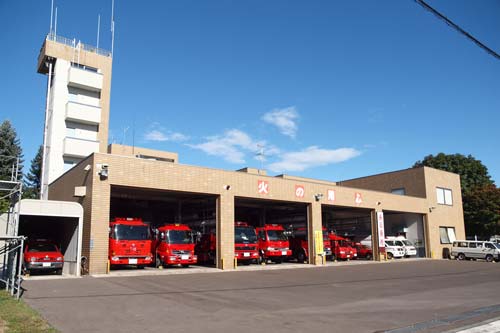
(59, 259)
(33, 259)
(172, 258)
(195, 257)
(270, 249)
(115, 258)
(342, 252)
(148, 258)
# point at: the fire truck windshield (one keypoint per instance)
(276, 235)
(131, 232)
(178, 237)
(41, 247)
(244, 235)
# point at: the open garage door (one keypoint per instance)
(282, 228)
(174, 218)
(406, 226)
(350, 230)
(55, 222)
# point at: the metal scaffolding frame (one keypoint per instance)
(11, 244)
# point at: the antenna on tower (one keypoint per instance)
(55, 24)
(98, 28)
(51, 15)
(112, 26)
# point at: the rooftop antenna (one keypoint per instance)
(260, 156)
(51, 15)
(125, 129)
(98, 28)
(112, 26)
(55, 24)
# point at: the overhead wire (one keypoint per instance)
(457, 28)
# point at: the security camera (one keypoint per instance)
(104, 166)
(227, 187)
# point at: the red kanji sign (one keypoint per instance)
(262, 187)
(300, 191)
(358, 199)
(330, 195)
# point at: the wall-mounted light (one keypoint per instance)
(227, 187)
(379, 203)
(103, 171)
(318, 196)
(431, 209)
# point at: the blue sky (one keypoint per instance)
(328, 89)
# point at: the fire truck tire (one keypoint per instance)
(368, 257)
(301, 257)
(140, 266)
(278, 261)
(332, 258)
(59, 271)
(158, 263)
(185, 265)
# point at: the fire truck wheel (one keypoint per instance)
(185, 265)
(261, 259)
(59, 271)
(332, 258)
(278, 261)
(368, 257)
(140, 266)
(158, 263)
(301, 257)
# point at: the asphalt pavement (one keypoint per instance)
(400, 295)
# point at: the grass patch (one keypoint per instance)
(17, 316)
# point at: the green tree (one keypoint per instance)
(33, 179)
(482, 211)
(480, 196)
(472, 172)
(10, 152)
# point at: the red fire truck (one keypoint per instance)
(300, 246)
(43, 255)
(174, 245)
(342, 249)
(129, 242)
(273, 243)
(245, 245)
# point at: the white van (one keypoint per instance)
(409, 248)
(463, 249)
(393, 250)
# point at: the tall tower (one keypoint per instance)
(77, 106)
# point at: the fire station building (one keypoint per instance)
(422, 204)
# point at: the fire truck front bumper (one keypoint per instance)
(248, 255)
(116, 260)
(183, 259)
(278, 253)
(42, 265)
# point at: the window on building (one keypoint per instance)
(400, 191)
(84, 67)
(68, 164)
(444, 196)
(447, 235)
